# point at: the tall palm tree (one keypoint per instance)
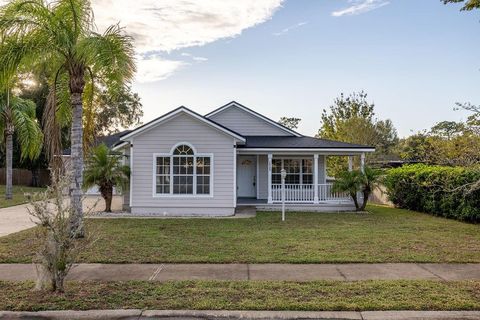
(18, 116)
(105, 169)
(62, 33)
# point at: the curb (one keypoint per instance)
(137, 314)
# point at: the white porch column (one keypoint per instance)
(350, 163)
(315, 178)
(270, 156)
(362, 162)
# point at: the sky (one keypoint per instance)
(413, 58)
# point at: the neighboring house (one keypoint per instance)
(183, 163)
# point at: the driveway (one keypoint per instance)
(17, 218)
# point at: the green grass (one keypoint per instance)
(247, 295)
(383, 235)
(18, 195)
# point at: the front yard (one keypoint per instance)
(383, 235)
(18, 195)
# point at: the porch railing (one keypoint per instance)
(305, 193)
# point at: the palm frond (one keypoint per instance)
(110, 55)
(26, 126)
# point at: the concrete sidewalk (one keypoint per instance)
(288, 272)
(136, 314)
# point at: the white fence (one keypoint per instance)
(305, 193)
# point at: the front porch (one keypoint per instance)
(306, 185)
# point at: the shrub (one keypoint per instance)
(438, 190)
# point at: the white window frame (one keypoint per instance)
(301, 168)
(172, 156)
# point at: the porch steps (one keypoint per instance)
(245, 212)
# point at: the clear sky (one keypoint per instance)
(414, 58)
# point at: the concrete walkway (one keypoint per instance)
(16, 218)
(289, 272)
(136, 314)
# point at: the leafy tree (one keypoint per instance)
(291, 123)
(467, 4)
(105, 170)
(446, 143)
(116, 110)
(352, 119)
(62, 33)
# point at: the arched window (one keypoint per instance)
(183, 150)
(183, 172)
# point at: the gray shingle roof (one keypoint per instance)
(290, 142)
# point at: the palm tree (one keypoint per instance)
(18, 116)
(350, 182)
(356, 181)
(61, 33)
(370, 179)
(105, 170)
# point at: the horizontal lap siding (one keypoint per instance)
(205, 140)
(246, 124)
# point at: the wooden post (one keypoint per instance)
(362, 162)
(315, 178)
(350, 163)
(270, 156)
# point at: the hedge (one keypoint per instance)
(438, 190)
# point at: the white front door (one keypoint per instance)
(246, 177)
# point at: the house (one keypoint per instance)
(183, 163)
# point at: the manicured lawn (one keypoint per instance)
(247, 295)
(18, 195)
(383, 235)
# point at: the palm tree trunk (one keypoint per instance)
(77, 164)
(77, 85)
(8, 164)
(366, 195)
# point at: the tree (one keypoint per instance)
(352, 119)
(16, 116)
(116, 110)
(446, 143)
(61, 32)
(105, 170)
(58, 246)
(356, 181)
(468, 4)
(291, 123)
(350, 182)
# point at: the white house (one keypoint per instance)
(183, 163)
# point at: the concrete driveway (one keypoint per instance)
(17, 218)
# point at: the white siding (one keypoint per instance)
(246, 124)
(161, 139)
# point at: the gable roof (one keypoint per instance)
(286, 142)
(175, 112)
(254, 113)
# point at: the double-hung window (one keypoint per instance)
(183, 173)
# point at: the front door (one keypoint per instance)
(246, 177)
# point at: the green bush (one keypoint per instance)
(438, 190)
